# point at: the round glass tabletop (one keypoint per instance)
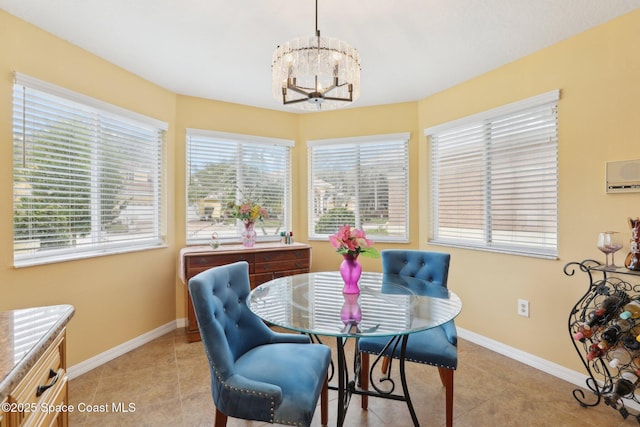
(387, 305)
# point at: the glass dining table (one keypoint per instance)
(388, 305)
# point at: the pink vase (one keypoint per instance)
(351, 313)
(248, 235)
(350, 270)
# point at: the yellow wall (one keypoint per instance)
(598, 73)
(200, 113)
(119, 297)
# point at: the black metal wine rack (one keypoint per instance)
(602, 378)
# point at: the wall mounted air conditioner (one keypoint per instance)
(623, 177)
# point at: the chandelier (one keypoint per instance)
(316, 73)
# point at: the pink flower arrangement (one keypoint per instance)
(353, 241)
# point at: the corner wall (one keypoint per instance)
(598, 73)
(116, 297)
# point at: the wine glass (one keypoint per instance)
(615, 244)
(604, 247)
(609, 242)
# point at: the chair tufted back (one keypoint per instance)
(226, 323)
(430, 266)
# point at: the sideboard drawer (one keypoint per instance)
(282, 261)
(300, 254)
(215, 260)
(57, 400)
(201, 263)
(45, 383)
(274, 266)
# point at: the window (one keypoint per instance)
(223, 168)
(360, 181)
(86, 176)
(495, 179)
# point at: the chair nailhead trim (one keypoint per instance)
(287, 423)
(241, 390)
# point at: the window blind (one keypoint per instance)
(224, 168)
(360, 181)
(87, 176)
(495, 179)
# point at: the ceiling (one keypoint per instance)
(221, 49)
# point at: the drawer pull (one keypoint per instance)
(42, 388)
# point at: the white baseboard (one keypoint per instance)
(544, 365)
(181, 322)
(102, 358)
(558, 371)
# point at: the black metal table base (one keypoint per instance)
(347, 386)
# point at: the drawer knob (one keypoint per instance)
(53, 375)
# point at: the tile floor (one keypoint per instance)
(167, 382)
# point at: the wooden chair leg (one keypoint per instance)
(220, 419)
(364, 379)
(446, 376)
(324, 403)
(385, 365)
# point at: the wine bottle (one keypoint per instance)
(592, 318)
(606, 311)
(629, 342)
(619, 356)
(631, 310)
(624, 324)
(584, 332)
(623, 387)
(612, 334)
(635, 330)
(596, 351)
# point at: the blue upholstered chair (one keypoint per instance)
(436, 346)
(256, 373)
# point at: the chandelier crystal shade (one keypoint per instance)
(316, 73)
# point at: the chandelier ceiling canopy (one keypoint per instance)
(316, 73)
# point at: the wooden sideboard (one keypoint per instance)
(33, 377)
(266, 262)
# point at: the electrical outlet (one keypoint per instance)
(523, 307)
